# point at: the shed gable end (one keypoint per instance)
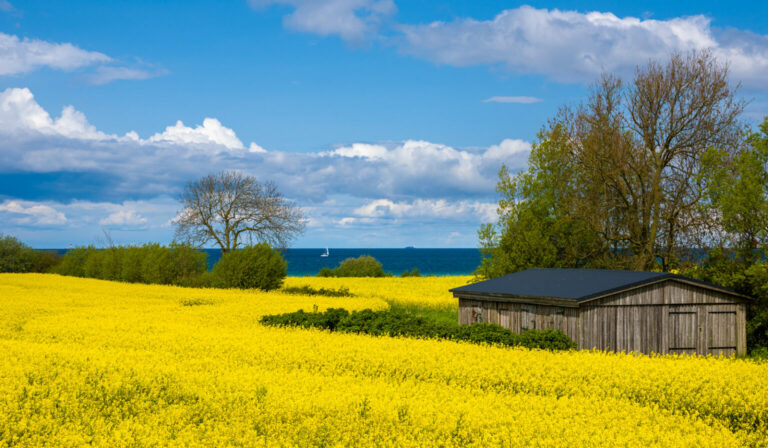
(666, 292)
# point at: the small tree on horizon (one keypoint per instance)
(231, 209)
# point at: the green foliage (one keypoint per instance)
(326, 272)
(151, 263)
(399, 323)
(15, 256)
(73, 262)
(257, 266)
(726, 269)
(412, 273)
(534, 227)
(363, 266)
(307, 290)
(737, 187)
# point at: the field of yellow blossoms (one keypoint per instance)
(89, 362)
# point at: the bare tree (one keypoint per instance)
(638, 150)
(231, 209)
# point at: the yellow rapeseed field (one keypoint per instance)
(424, 291)
(89, 362)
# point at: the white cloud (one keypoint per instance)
(126, 183)
(108, 74)
(212, 132)
(20, 113)
(33, 141)
(124, 218)
(362, 150)
(6, 6)
(573, 46)
(21, 116)
(423, 208)
(18, 56)
(513, 99)
(29, 213)
(25, 55)
(352, 20)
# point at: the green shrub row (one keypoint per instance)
(399, 323)
(16, 256)
(307, 290)
(177, 264)
(362, 266)
(256, 266)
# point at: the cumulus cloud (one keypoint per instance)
(352, 20)
(105, 180)
(124, 218)
(512, 99)
(21, 114)
(212, 132)
(424, 208)
(25, 55)
(29, 213)
(572, 46)
(33, 141)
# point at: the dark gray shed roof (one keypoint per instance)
(573, 284)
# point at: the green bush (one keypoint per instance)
(362, 266)
(73, 262)
(400, 323)
(257, 266)
(412, 273)
(45, 261)
(326, 272)
(151, 263)
(328, 320)
(15, 256)
(307, 290)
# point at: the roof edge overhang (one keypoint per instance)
(575, 303)
(510, 298)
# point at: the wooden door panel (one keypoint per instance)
(722, 332)
(683, 331)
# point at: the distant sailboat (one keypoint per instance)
(326, 253)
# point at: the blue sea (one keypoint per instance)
(303, 262)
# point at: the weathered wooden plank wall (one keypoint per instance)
(665, 317)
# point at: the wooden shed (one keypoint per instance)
(647, 312)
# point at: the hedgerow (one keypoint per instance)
(400, 323)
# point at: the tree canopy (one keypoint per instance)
(625, 179)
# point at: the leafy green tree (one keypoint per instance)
(15, 256)
(616, 180)
(738, 191)
(535, 227)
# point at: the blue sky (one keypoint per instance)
(385, 120)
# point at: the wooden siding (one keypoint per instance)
(520, 316)
(670, 292)
(665, 317)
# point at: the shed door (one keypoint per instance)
(683, 330)
(721, 337)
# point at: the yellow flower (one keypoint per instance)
(89, 362)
